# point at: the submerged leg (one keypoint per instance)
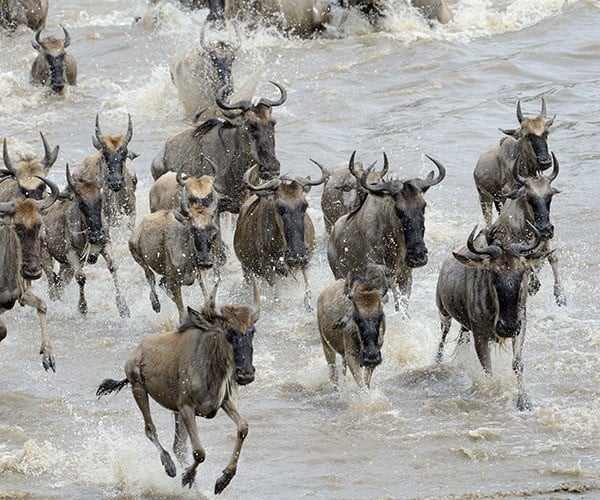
(446, 321)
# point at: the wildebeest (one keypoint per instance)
(23, 176)
(387, 229)
(31, 13)
(109, 166)
(431, 9)
(526, 146)
(352, 324)
(20, 263)
(527, 208)
(178, 245)
(53, 66)
(74, 232)
(193, 371)
(244, 139)
(342, 192)
(484, 290)
(274, 235)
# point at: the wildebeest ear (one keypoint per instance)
(198, 319)
(509, 131)
(471, 260)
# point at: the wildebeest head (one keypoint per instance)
(534, 134)
(114, 152)
(506, 270)
(53, 51)
(257, 131)
(29, 169)
(289, 204)
(222, 55)
(409, 206)
(26, 219)
(199, 190)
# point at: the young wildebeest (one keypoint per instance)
(74, 232)
(526, 146)
(386, 229)
(484, 289)
(20, 222)
(193, 371)
(109, 167)
(53, 66)
(178, 244)
(352, 324)
(31, 13)
(24, 176)
(274, 235)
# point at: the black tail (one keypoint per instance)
(109, 385)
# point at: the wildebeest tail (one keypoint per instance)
(109, 385)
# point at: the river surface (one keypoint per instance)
(423, 430)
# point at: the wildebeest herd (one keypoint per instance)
(226, 162)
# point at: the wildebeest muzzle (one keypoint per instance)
(508, 329)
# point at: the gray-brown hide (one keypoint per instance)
(342, 192)
(387, 229)
(53, 66)
(274, 235)
(527, 210)
(109, 167)
(24, 174)
(244, 139)
(483, 288)
(179, 245)
(193, 371)
(31, 13)
(20, 222)
(431, 9)
(74, 232)
(352, 324)
(527, 146)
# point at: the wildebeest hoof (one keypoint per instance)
(48, 361)
(223, 481)
(123, 309)
(560, 297)
(82, 308)
(168, 464)
(155, 304)
(523, 403)
(534, 285)
(188, 477)
(54, 293)
(92, 259)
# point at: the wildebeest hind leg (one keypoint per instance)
(112, 268)
(242, 431)
(446, 321)
(180, 441)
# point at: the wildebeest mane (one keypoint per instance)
(208, 125)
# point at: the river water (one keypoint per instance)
(423, 430)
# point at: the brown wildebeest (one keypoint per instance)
(193, 371)
(24, 174)
(387, 229)
(526, 146)
(53, 66)
(20, 222)
(74, 232)
(274, 235)
(244, 139)
(31, 13)
(527, 208)
(342, 193)
(352, 324)
(484, 290)
(178, 245)
(109, 166)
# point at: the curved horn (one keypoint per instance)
(386, 166)
(212, 164)
(203, 43)
(520, 116)
(522, 248)
(98, 132)
(240, 105)
(54, 192)
(305, 181)
(492, 250)
(281, 99)
(67, 39)
(184, 204)
(129, 133)
(543, 112)
(427, 183)
(71, 181)
(49, 156)
(516, 174)
(7, 163)
(352, 167)
(37, 37)
(555, 168)
(270, 185)
(255, 301)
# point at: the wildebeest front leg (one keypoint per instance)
(329, 353)
(179, 444)
(188, 416)
(559, 294)
(523, 401)
(242, 431)
(307, 292)
(29, 299)
(483, 352)
(404, 281)
(485, 201)
(446, 321)
(3, 331)
(112, 268)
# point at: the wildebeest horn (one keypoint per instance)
(270, 185)
(492, 250)
(281, 99)
(428, 182)
(7, 163)
(67, 39)
(179, 176)
(214, 167)
(37, 38)
(517, 249)
(386, 166)
(305, 181)
(381, 187)
(49, 156)
(47, 202)
(71, 181)
(129, 133)
(520, 116)
(98, 132)
(203, 43)
(240, 105)
(255, 301)
(543, 112)
(184, 203)
(555, 168)
(517, 175)
(352, 167)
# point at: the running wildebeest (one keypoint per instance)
(527, 146)
(53, 66)
(31, 13)
(375, 9)
(20, 262)
(484, 290)
(193, 371)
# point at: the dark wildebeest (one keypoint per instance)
(24, 174)
(31, 13)
(20, 263)
(53, 66)
(74, 232)
(387, 229)
(274, 235)
(352, 324)
(342, 192)
(178, 245)
(484, 290)
(430, 9)
(244, 139)
(526, 146)
(109, 167)
(193, 371)
(527, 206)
